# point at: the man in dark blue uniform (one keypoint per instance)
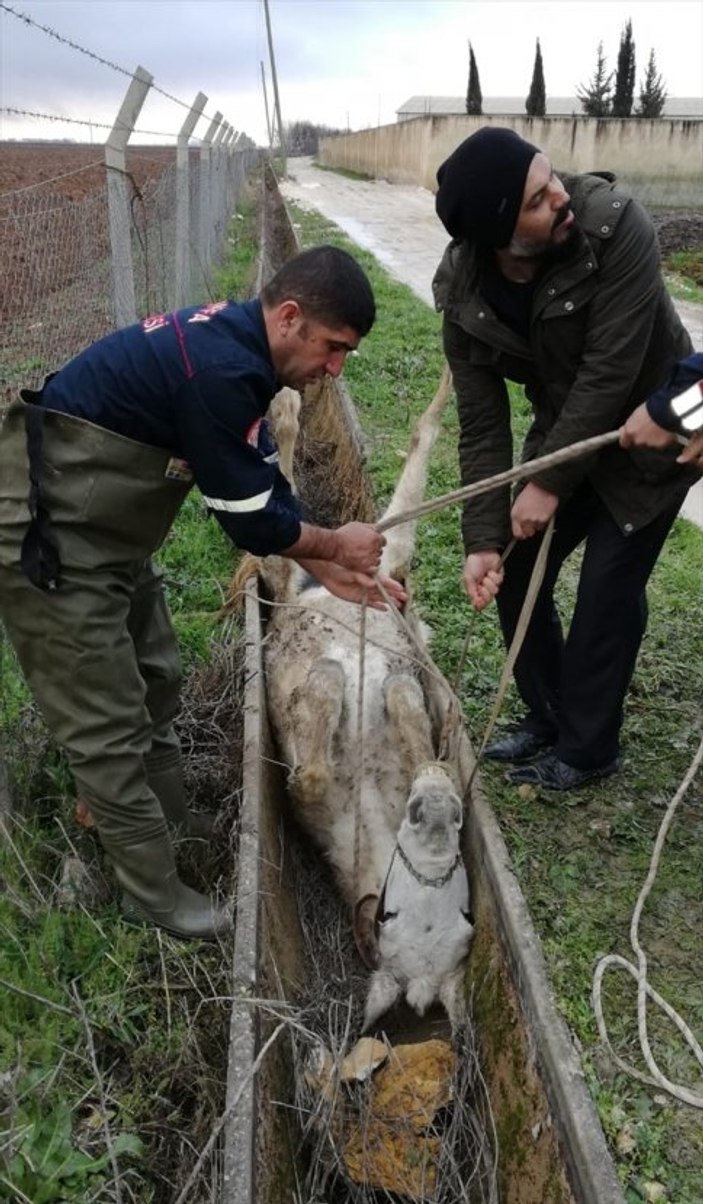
(94, 469)
(675, 409)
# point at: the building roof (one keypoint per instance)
(557, 106)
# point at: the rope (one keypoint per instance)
(645, 991)
(459, 671)
(520, 472)
(359, 772)
(639, 972)
(520, 631)
(451, 719)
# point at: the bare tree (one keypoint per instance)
(625, 76)
(536, 103)
(303, 137)
(595, 98)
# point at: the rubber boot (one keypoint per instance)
(168, 786)
(154, 894)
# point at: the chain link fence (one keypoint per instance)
(57, 258)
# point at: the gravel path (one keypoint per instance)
(398, 225)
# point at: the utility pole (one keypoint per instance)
(269, 130)
(274, 77)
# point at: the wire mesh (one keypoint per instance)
(56, 278)
(55, 294)
(153, 237)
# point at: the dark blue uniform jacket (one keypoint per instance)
(196, 383)
(686, 373)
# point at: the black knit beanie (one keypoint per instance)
(481, 186)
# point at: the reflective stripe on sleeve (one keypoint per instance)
(239, 505)
(688, 407)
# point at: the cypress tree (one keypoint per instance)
(625, 76)
(474, 99)
(595, 98)
(536, 103)
(652, 93)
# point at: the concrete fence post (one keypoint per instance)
(218, 164)
(118, 197)
(206, 193)
(184, 234)
(230, 175)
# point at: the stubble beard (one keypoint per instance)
(545, 249)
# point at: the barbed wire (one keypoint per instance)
(136, 153)
(98, 125)
(53, 33)
(66, 41)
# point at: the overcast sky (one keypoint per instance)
(342, 63)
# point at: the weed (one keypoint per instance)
(74, 977)
(581, 866)
(157, 1015)
(687, 263)
(346, 172)
(684, 274)
(235, 278)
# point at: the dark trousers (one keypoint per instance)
(574, 686)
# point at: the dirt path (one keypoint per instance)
(398, 225)
(395, 222)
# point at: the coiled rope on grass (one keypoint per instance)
(655, 1078)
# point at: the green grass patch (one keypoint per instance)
(684, 274)
(197, 560)
(102, 1024)
(106, 1028)
(581, 861)
(681, 288)
(346, 172)
(236, 276)
(688, 263)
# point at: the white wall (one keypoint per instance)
(660, 160)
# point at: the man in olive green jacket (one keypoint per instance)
(556, 284)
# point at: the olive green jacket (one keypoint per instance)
(604, 335)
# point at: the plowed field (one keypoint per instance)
(73, 170)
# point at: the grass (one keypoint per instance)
(347, 172)
(113, 1039)
(684, 274)
(581, 862)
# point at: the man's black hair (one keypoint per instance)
(328, 285)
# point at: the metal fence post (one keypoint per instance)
(184, 239)
(118, 197)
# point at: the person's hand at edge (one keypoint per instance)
(642, 431)
(532, 510)
(355, 587)
(483, 577)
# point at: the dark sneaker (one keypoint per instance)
(517, 746)
(549, 773)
